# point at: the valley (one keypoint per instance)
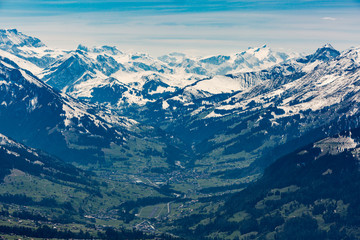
(101, 143)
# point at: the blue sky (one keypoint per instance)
(197, 27)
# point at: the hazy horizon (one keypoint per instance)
(198, 28)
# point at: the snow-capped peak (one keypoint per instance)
(328, 45)
(82, 48)
(324, 53)
(11, 37)
(111, 50)
(352, 53)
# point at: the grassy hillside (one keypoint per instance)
(309, 194)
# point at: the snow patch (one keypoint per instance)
(165, 105)
(31, 79)
(213, 115)
(335, 146)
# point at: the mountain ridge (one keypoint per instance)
(134, 68)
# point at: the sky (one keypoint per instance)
(194, 27)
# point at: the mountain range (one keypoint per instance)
(191, 132)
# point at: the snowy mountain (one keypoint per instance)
(249, 60)
(28, 48)
(232, 107)
(133, 78)
(33, 113)
(245, 81)
(85, 71)
(13, 38)
(285, 113)
(322, 85)
(292, 104)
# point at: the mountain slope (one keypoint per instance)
(15, 156)
(37, 186)
(311, 193)
(43, 197)
(35, 114)
(84, 72)
(232, 137)
(309, 106)
(28, 48)
(242, 85)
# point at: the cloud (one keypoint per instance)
(329, 18)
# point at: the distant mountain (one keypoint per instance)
(311, 193)
(294, 103)
(33, 113)
(130, 79)
(85, 71)
(12, 37)
(249, 60)
(252, 83)
(28, 48)
(308, 102)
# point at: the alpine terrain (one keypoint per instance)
(103, 143)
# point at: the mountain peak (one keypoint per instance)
(12, 30)
(112, 50)
(325, 53)
(12, 37)
(328, 45)
(352, 53)
(82, 48)
(177, 54)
